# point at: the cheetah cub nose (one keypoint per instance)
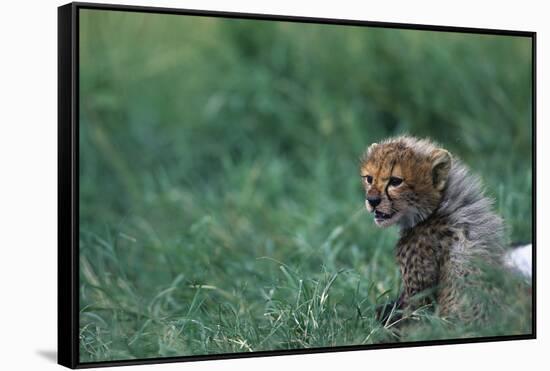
(374, 201)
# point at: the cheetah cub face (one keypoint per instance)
(404, 179)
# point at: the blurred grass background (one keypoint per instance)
(220, 203)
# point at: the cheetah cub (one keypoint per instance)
(447, 226)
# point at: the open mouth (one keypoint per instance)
(379, 216)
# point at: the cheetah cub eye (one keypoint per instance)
(395, 181)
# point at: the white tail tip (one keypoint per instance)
(520, 259)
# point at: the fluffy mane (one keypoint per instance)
(465, 205)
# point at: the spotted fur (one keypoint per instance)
(447, 227)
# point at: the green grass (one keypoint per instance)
(220, 204)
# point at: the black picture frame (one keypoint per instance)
(68, 181)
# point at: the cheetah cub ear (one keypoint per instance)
(368, 152)
(371, 148)
(441, 164)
